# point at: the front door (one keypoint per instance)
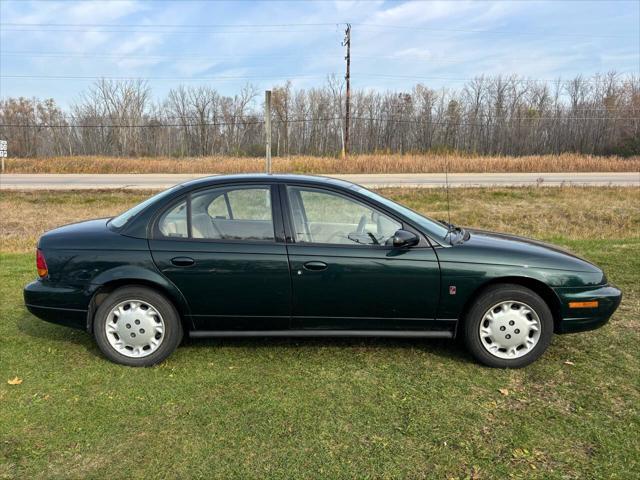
(345, 274)
(223, 248)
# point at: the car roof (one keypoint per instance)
(263, 177)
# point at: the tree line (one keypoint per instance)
(487, 115)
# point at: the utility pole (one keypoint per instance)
(267, 127)
(347, 43)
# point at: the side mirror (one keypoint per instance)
(405, 239)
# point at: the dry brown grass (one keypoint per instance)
(428, 163)
(26, 215)
(586, 213)
(545, 213)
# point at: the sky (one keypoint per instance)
(56, 49)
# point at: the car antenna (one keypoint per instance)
(446, 183)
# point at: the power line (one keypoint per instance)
(14, 53)
(172, 25)
(252, 117)
(163, 125)
(259, 122)
(506, 77)
(188, 32)
(59, 54)
(252, 1)
(141, 55)
(507, 119)
(491, 32)
(252, 121)
(108, 77)
(249, 26)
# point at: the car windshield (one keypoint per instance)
(437, 229)
(122, 219)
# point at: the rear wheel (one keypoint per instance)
(509, 326)
(137, 326)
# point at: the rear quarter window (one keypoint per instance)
(173, 222)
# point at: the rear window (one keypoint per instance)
(124, 218)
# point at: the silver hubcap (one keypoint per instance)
(135, 328)
(510, 329)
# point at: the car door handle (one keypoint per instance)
(315, 266)
(183, 261)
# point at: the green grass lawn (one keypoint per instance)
(323, 408)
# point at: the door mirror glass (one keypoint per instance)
(405, 239)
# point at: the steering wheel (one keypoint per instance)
(337, 235)
(359, 231)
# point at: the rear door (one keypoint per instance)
(224, 249)
(344, 273)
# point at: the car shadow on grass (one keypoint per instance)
(451, 350)
(40, 329)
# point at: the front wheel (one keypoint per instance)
(509, 326)
(137, 326)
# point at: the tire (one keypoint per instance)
(137, 326)
(508, 326)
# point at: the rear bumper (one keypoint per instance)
(56, 304)
(583, 319)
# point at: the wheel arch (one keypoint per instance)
(540, 288)
(105, 289)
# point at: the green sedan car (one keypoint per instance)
(288, 255)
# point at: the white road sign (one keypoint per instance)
(3, 153)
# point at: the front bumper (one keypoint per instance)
(56, 304)
(582, 319)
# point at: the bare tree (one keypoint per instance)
(489, 115)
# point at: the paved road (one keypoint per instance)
(426, 180)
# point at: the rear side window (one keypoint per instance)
(237, 213)
(250, 204)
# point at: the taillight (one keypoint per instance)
(41, 264)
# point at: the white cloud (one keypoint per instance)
(439, 41)
(413, 13)
(414, 52)
(100, 11)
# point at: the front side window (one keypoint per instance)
(320, 216)
(242, 213)
(437, 229)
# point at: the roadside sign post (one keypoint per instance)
(3, 152)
